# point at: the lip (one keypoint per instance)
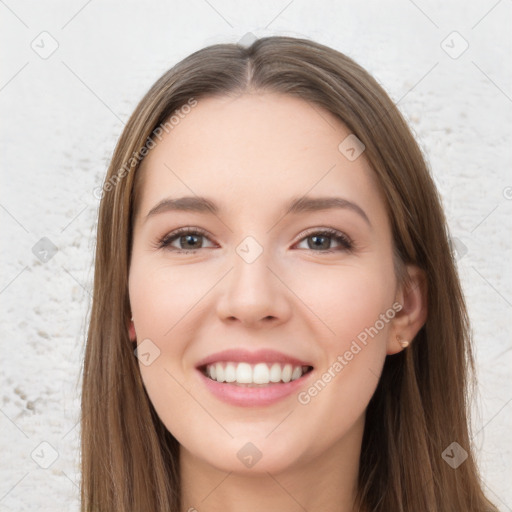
(242, 396)
(245, 356)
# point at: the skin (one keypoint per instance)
(251, 154)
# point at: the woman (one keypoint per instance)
(277, 320)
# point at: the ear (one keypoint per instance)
(412, 296)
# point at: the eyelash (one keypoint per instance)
(338, 236)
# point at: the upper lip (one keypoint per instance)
(245, 356)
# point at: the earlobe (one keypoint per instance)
(403, 343)
(412, 296)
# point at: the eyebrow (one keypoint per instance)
(296, 205)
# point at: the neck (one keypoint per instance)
(326, 483)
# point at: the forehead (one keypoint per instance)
(256, 149)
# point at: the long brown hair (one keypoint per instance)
(421, 405)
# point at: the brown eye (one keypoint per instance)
(320, 241)
(188, 240)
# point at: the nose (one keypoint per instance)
(255, 293)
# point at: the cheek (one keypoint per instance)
(355, 306)
(346, 299)
(161, 295)
(166, 300)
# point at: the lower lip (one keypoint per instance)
(253, 397)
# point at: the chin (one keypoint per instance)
(248, 455)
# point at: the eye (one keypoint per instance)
(320, 240)
(189, 240)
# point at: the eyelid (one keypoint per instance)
(165, 241)
(326, 230)
(347, 243)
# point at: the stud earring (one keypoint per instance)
(403, 343)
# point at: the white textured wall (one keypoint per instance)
(61, 117)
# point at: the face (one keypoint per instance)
(294, 305)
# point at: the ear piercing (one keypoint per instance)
(403, 343)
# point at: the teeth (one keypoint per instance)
(230, 372)
(286, 376)
(244, 373)
(219, 372)
(275, 373)
(261, 373)
(297, 372)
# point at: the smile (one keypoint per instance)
(260, 374)
(260, 378)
